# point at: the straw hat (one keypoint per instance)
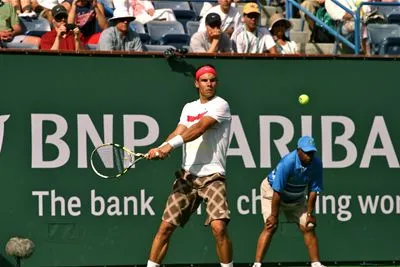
(278, 17)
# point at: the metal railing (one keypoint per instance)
(356, 15)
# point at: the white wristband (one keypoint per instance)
(163, 144)
(177, 141)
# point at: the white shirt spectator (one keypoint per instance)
(337, 13)
(244, 41)
(233, 18)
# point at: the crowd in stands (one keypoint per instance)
(230, 26)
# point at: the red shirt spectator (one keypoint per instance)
(67, 43)
(63, 36)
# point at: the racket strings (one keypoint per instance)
(111, 160)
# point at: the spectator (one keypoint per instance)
(62, 36)
(24, 8)
(10, 29)
(278, 27)
(119, 36)
(44, 7)
(319, 34)
(346, 19)
(87, 15)
(143, 10)
(213, 39)
(230, 17)
(312, 6)
(249, 38)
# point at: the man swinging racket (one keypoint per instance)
(203, 131)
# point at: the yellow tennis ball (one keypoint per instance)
(304, 99)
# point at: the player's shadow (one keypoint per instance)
(178, 64)
(4, 262)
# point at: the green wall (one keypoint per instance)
(59, 106)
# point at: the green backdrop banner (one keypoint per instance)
(55, 109)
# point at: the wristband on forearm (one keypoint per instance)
(175, 142)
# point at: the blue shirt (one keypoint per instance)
(292, 180)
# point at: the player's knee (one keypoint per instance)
(218, 228)
(166, 229)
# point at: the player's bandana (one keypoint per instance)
(204, 70)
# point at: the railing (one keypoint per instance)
(356, 15)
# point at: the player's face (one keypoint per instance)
(207, 84)
(305, 157)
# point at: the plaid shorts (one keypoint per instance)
(189, 191)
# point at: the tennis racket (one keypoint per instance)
(113, 160)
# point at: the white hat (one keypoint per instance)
(121, 13)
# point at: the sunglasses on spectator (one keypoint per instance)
(252, 15)
(60, 18)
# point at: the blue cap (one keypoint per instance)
(306, 143)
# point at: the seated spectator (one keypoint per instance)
(119, 36)
(312, 6)
(87, 15)
(11, 30)
(319, 34)
(230, 17)
(346, 19)
(62, 36)
(43, 7)
(278, 27)
(143, 10)
(24, 8)
(213, 39)
(249, 38)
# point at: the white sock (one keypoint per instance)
(152, 264)
(316, 264)
(227, 264)
(257, 264)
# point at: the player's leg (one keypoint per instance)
(180, 204)
(223, 242)
(265, 237)
(160, 243)
(214, 194)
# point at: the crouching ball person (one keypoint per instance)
(203, 132)
(298, 174)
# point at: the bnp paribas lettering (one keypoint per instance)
(378, 142)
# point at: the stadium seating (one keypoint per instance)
(182, 10)
(139, 28)
(192, 27)
(378, 32)
(35, 26)
(167, 33)
(390, 46)
(157, 48)
(299, 37)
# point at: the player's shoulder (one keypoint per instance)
(219, 101)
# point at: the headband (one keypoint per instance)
(204, 70)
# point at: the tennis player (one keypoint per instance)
(203, 132)
(298, 174)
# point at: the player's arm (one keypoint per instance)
(183, 135)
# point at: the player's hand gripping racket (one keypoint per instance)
(113, 160)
